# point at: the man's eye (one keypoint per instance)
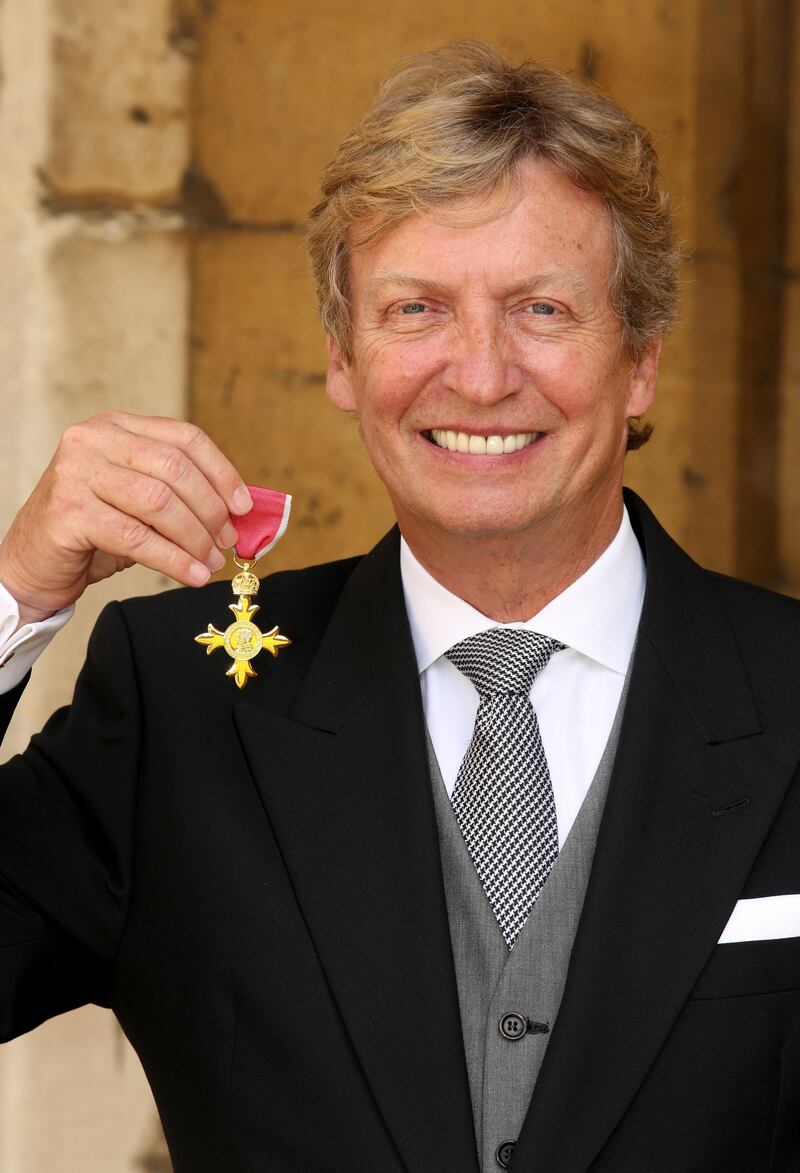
(413, 307)
(541, 307)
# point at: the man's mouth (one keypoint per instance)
(492, 445)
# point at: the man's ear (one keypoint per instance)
(643, 378)
(341, 391)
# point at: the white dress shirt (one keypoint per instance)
(575, 697)
(19, 649)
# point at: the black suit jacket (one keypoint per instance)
(252, 882)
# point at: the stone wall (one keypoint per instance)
(159, 159)
(94, 279)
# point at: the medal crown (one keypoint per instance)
(245, 583)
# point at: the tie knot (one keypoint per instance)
(503, 659)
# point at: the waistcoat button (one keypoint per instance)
(504, 1153)
(513, 1026)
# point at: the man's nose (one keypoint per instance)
(480, 367)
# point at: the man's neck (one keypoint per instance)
(511, 577)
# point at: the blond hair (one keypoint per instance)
(459, 121)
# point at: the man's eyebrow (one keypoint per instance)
(536, 281)
(547, 280)
(406, 281)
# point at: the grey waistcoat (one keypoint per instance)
(528, 981)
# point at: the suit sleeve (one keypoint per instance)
(67, 808)
(8, 703)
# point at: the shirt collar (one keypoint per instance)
(597, 615)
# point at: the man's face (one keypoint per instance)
(469, 331)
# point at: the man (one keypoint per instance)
(495, 866)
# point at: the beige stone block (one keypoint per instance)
(120, 301)
(719, 83)
(274, 94)
(258, 385)
(119, 103)
(662, 471)
(688, 470)
(77, 1097)
(23, 136)
(793, 161)
(789, 448)
(24, 78)
(789, 417)
(712, 517)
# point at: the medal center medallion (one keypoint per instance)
(243, 640)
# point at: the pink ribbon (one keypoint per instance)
(265, 524)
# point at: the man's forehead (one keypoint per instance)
(545, 232)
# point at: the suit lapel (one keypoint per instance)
(344, 782)
(676, 844)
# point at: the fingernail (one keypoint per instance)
(216, 560)
(242, 501)
(199, 574)
(227, 536)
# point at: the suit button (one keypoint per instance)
(513, 1026)
(504, 1153)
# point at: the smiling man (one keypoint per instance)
(493, 384)
(495, 867)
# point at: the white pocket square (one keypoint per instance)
(766, 918)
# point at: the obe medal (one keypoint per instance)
(259, 530)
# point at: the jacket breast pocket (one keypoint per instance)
(747, 968)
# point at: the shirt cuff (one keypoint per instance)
(21, 647)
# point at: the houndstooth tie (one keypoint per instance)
(503, 796)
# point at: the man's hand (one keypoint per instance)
(121, 489)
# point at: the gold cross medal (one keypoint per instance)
(259, 530)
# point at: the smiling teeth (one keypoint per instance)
(482, 445)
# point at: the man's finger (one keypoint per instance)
(139, 453)
(203, 452)
(124, 536)
(155, 503)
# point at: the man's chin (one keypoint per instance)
(465, 521)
